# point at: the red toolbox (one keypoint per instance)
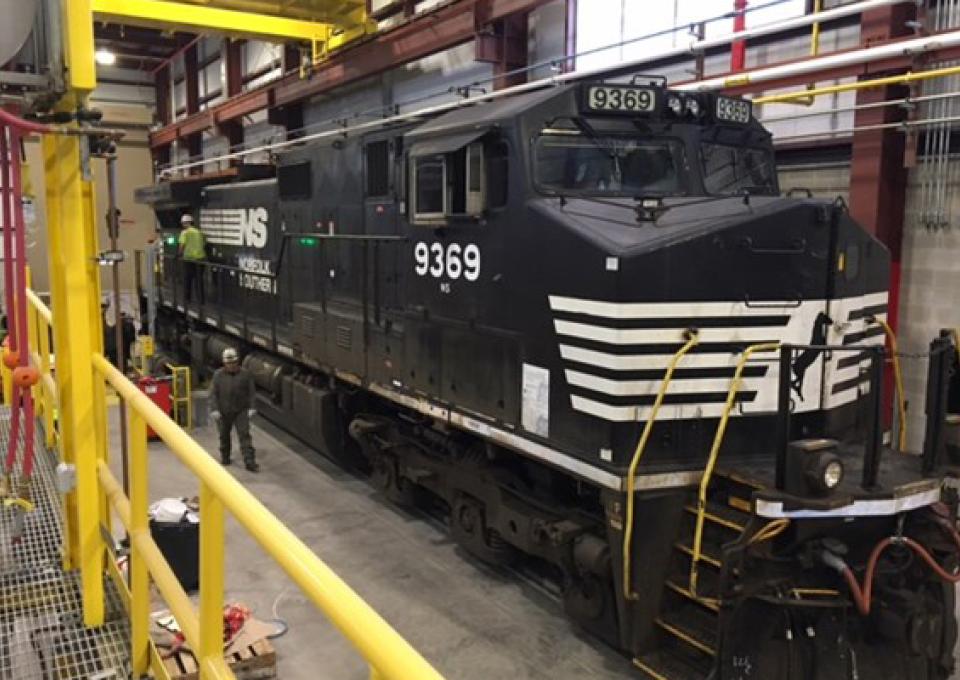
(158, 389)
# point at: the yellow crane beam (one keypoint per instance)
(167, 14)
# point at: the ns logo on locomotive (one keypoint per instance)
(584, 322)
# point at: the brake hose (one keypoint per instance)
(862, 596)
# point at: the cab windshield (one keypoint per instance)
(571, 163)
(729, 170)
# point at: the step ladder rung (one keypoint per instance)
(712, 514)
(686, 636)
(656, 675)
(704, 557)
(708, 602)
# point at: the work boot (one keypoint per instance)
(253, 466)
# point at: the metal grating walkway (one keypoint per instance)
(42, 636)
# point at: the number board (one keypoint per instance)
(734, 110)
(624, 99)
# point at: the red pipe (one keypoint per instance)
(20, 243)
(8, 253)
(9, 284)
(738, 50)
(22, 124)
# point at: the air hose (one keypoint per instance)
(862, 596)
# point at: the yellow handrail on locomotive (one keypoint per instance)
(715, 451)
(692, 340)
(898, 379)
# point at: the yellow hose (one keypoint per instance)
(770, 530)
(692, 341)
(898, 378)
(715, 451)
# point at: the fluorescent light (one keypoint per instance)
(105, 57)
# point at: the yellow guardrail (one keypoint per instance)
(389, 656)
(39, 323)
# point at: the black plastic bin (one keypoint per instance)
(180, 544)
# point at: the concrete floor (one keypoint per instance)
(469, 621)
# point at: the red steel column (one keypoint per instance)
(878, 175)
(738, 50)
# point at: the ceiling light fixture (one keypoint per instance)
(105, 57)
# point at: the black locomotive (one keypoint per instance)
(517, 310)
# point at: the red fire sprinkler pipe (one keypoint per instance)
(738, 50)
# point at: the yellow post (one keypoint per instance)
(7, 377)
(211, 580)
(139, 575)
(75, 287)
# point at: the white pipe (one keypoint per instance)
(694, 47)
(759, 76)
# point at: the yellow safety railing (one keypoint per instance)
(898, 382)
(696, 553)
(692, 339)
(389, 656)
(39, 324)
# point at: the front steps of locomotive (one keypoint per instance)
(687, 628)
(684, 645)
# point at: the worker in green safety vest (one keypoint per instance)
(192, 253)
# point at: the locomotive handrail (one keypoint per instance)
(898, 380)
(871, 464)
(715, 451)
(691, 341)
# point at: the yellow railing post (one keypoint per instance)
(75, 286)
(139, 576)
(211, 580)
(6, 375)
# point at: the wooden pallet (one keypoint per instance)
(256, 662)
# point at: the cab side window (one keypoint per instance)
(460, 183)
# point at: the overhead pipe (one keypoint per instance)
(757, 76)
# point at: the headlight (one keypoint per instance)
(833, 474)
(824, 472)
(693, 108)
(675, 104)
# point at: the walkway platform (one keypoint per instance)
(42, 636)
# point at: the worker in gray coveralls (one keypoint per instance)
(231, 401)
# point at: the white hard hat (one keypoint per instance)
(186, 219)
(230, 356)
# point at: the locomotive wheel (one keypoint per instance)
(386, 479)
(468, 526)
(585, 599)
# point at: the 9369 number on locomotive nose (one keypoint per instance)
(620, 99)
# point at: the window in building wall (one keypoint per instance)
(604, 22)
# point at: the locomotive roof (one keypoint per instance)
(484, 114)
